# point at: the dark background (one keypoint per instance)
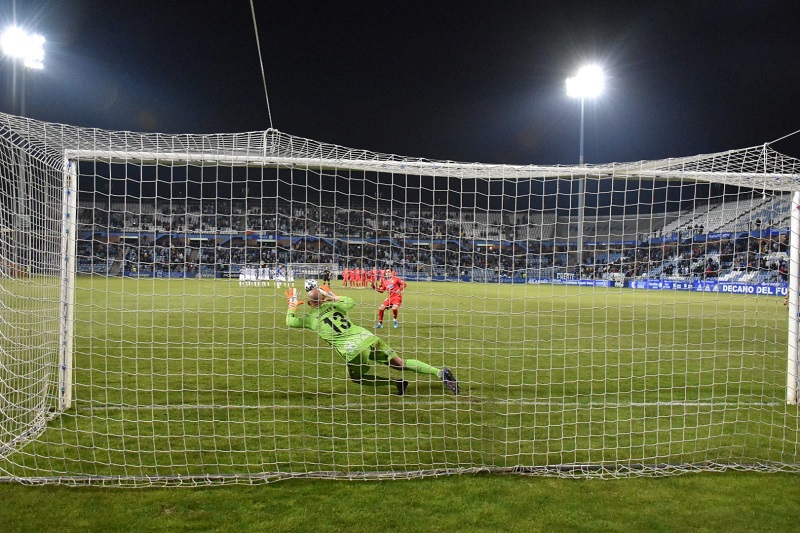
(464, 81)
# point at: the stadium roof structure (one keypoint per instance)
(759, 167)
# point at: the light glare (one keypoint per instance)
(588, 83)
(29, 47)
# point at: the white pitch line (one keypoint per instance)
(469, 401)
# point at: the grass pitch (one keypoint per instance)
(198, 380)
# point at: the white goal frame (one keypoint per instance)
(687, 168)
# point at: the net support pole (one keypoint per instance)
(23, 219)
(67, 313)
(794, 285)
(581, 197)
(581, 220)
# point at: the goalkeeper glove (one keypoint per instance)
(291, 299)
(327, 292)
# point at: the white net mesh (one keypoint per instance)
(602, 320)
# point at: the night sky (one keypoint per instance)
(464, 81)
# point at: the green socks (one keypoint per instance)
(421, 368)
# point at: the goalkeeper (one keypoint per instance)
(359, 347)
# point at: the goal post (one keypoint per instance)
(69, 239)
(793, 359)
(604, 320)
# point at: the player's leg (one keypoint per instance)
(395, 308)
(381, 309)
(360, 372)
(414, 365)
(420, 367)
(384, 354)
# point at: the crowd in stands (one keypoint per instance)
(723, 259)
(223, 236)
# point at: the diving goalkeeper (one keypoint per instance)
(359, 347)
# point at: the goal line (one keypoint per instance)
(469, 399)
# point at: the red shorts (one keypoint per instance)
(394, 299)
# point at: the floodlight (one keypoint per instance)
(29, 47)
(588, 83)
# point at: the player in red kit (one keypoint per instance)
(394, 286)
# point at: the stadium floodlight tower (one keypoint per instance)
(17, 43)
(587, 83)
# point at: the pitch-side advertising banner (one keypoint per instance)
(771, 289)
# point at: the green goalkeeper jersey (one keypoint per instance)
(330, 322)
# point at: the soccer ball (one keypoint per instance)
(310, 285)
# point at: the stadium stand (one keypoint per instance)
(742, 240)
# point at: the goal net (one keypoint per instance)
(601, 320)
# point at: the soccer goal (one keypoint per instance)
(602, 320)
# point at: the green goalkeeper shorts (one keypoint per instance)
(379, 352)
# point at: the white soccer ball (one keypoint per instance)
(311, 284)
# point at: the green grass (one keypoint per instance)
(732, 502)
(186, 378)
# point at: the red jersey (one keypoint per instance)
(393, 285)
